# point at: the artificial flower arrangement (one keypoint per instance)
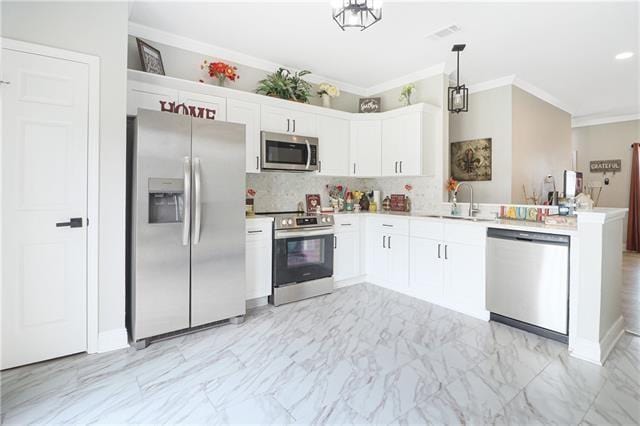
(329, 90)
(220, 71)
(406, 92)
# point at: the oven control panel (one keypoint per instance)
(302, 222)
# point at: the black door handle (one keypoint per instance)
(74, 222)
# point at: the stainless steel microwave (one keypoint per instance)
(289, 152)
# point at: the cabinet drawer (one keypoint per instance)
(424, 228)
(391, 225)
(345, 222)
(465, 233)
(258, 230)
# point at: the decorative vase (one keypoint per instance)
(326, 100)
(221, 81)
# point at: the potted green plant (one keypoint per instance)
(285, 84)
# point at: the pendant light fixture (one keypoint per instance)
(358, 14)
(458, 95)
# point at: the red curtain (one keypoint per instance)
(633, 228)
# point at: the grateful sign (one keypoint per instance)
(193, 111)
(602, 166)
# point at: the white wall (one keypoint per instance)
(100, 29)
(489, 116)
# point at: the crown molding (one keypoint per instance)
(406, 79)
(592, 120)
(492, 84)
(541, 94)
(174, 40)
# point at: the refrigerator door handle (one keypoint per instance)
(197, 201)
(308, 152)
(186, 221)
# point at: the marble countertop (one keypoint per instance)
(517, 225)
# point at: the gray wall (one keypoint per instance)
(185, 64)
(489, 116)
(541, 144)
(100, 29)
(428, 90)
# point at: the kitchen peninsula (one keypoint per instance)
(417, 242)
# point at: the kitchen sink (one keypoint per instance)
(469, 218)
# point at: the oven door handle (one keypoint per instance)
(308, 153)
(282, 234)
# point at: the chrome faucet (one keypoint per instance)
(472, 210)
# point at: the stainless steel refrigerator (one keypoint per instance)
(187, 224)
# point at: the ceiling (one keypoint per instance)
(565, 49)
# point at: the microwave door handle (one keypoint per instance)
(186, 220)
(308, 153)
(198, 200)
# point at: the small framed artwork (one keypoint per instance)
(369, 105)
(398, 203)
(313, 203)
(150, 58)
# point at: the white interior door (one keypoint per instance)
(44, 183)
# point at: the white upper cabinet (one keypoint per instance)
(365, 151)
(408, 143)
(333, 134)
(247, 113)
(147, 96)
(284, 120)
(209, 104)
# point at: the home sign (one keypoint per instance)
(193, 111)
(602, 166)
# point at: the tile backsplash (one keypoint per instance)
(283, 191)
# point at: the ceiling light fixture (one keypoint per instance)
(356, 13)
(459, 95)
(624, 55)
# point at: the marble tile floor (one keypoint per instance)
(362, 355)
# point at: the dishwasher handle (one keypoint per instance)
(529, 237)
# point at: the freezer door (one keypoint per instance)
(218, 240)
(160, 233)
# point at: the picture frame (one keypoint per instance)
(369, 105)
(313, 203)
(398, 203)
(470, 160)
(150, 58)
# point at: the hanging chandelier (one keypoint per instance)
(356, 13)
(458, 95)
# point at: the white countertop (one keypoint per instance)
(518, 225)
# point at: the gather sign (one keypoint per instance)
(193, 111)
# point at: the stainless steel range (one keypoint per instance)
(302, 257)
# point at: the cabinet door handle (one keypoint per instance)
(396, 167)
(389, 242)
(335, 242)
(354, 168)
(294, 125)
(383, 244)
(401, 167)
(439, 251)
(387, 225)
(257, 162)
(445, 252)
(288, 124)
(319, 166)
(257, 231)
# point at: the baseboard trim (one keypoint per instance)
(611, 337)
(349, 282)
(597, 352)
(112, 340)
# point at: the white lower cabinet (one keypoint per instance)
(346, 248)
(388, 253)
(447, 266)
(258, 259)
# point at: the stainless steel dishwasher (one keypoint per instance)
(528, 281)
